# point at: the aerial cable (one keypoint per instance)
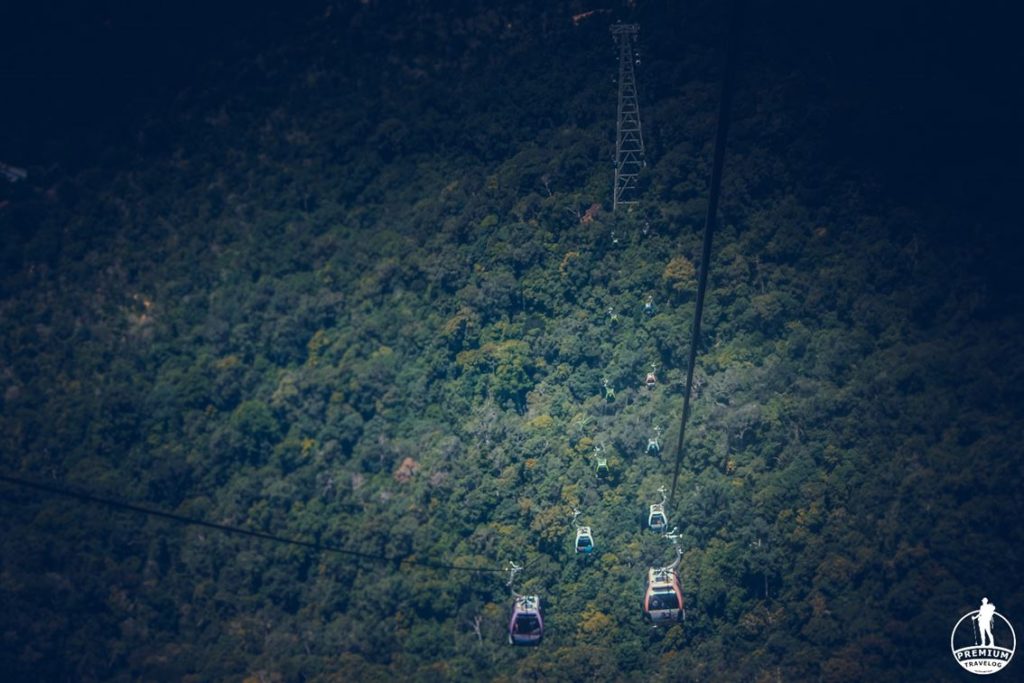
(316, 546)
(722, 128)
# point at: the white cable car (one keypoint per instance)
(651, 380)
(653, 443)
(584, 540)
(656, 519)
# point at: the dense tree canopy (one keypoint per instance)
(360, 293)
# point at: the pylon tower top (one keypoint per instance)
(629, 139)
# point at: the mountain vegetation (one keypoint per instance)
(365, 287)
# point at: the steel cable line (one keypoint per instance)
(192, 521)
(721, 130)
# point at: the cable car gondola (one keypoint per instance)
(663, 597)
(654, 443)
(584, 540)
(656, 519)
(527, 625)
(609, 390)
(651, 380)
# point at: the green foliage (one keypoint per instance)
(345, 316)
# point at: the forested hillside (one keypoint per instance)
(364, 286)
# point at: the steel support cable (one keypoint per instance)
(315, 546)
(721, 130)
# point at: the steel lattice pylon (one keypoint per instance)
(629, 139)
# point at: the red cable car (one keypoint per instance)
(663, 598)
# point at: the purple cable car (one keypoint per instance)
(527, 625)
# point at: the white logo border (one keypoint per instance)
(952, 646)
